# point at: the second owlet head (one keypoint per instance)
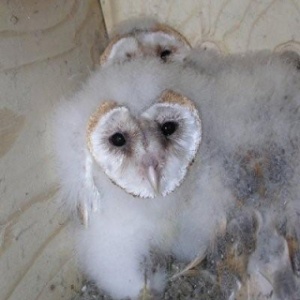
(145, 37)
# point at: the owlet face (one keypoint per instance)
(149, 154)
(158, 40)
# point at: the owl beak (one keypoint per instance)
(153, 179)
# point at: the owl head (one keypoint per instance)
(146, 154)
(141, 38)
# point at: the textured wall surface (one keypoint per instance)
(228, 25)
(46, 49)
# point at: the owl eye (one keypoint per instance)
(165, 54)
(117, 139)
(168, 128)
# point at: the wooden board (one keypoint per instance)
(226, 25)
(46, 49)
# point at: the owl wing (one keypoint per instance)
(74, 162)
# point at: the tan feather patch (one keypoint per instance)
(170, 31)
(106, 53)
(103, 109)
(173, 97)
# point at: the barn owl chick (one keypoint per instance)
(133, 134)
(166, 152)
(259, 126)
(145, 37)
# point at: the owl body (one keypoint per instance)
(159, 154)
(256, 133)
(126, 227)
(212, 62)
(254, 107)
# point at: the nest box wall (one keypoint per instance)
(46, 49)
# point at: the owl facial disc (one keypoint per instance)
(157, 40)
(149, 154)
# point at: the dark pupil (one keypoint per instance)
(164, 54)
(117, 139)
(169, 128)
